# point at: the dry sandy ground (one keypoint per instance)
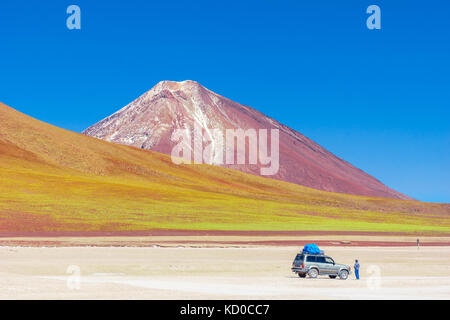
(217, 273)
(227, 239)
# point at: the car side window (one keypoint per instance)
(320, 259)
(329, 260)
(311, 259)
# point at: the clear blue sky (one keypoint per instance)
(379, 99)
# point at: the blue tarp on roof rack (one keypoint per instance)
(311, 249)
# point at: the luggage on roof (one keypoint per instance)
(312, 249)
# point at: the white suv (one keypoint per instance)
(319, 264)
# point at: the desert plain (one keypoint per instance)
(202, 267)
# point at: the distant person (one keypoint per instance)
(418, 243)
(356, 266)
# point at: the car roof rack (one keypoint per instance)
(321, 253)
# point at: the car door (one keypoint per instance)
(298, 261)
(320, 261)
(311, 262)
(330, 266)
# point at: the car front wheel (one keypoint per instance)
(313, 273)
(343, 274)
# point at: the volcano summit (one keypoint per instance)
(150, 121)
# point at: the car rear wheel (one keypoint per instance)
(302, 275)
(332, 277)
(313, 273)
(343, 274)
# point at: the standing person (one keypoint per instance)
(356, 266)
(418, 243)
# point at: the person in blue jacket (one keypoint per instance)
(356, 266)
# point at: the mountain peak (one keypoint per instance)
(177, 85)
(150, 121)
(181, 83)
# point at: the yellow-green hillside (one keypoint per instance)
(52, 179)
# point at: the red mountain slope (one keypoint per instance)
(149, 122)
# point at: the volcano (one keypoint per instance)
(150, 121)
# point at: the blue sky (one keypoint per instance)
(379, 99)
